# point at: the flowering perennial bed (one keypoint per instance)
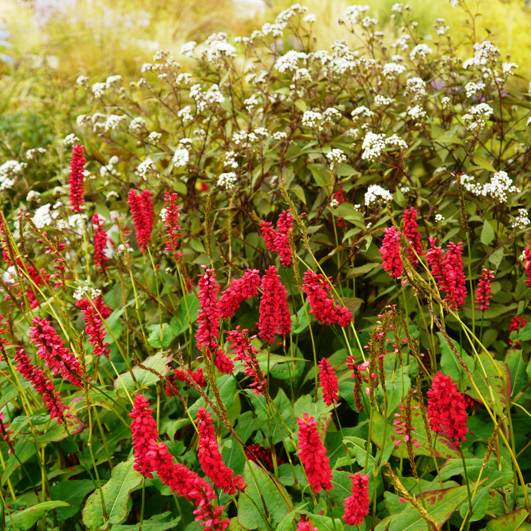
(286, 291)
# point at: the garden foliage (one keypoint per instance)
(285, 290)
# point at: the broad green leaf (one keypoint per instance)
(26, 519)
(508, 522)
(261, 490)
(479, 505)
(517, 367)
(115, 492)
(450, 140)
(188, 307)
(524, 334)
(347, 211)
(496, 257)
(156, 523)
(24, 450)
(160, 336)
(159, 362)
(344, 170)
(439, 504)
(324, 523)
(300, 321)
(487, 233)
(450, 364)
(482, 162)
(72, 492)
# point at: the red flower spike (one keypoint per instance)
(390, 251)
(517, 323)
(100, 243)
(170, 219)
(183, 376)
(141, 206)
(77, 164)
(240, 289)
(357, 505)
(322, 306)
(278, 240)
(255, 453)
(102, 307)
(312, 454)
(527, 265)
(455, 276)
(412, 234)
(274, 310)
(5, 433)
(447, 408)
(328, 381)
(210, 458)
(483, 292)
(53, 352)
(305, 526)
(42, 384)
(94, 328)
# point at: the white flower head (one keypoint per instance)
(70, 140)
(188, 48)
(227, 181)
(9, 171)
(181, 157)
(335, 158)
(376, 193)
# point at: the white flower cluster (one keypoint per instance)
(145, 167)
(440, 26)
(374, 145)
(376, 193)
(354, 13)
(279, 135)
(522, 220)
(361, 112)
(382, 101)
(289, 62)
(113, 122)
(498, 188)
(181, 157)
(477, 116)
(82, 292)
(335, 158)
(473, 88)
(70, 140)
(313, 120)
(202, 99)
(33, 195)
(227, 180)
(445, 102)
(439, 218)
(187, 49)
(334, 203)
(9, 171)
(401, 42)
(421, 51)
(230, 160)
(416, 87)
(154, 137)
(217, 47)
(416, 113)
(31, 153)
(392, 70)
(185, 115)
(137, 125)
(43, 217)
(484, 51)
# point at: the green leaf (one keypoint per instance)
(482, 162)
(72, 492)
(450, 140)
(508, 522)
(487, 233)
(261, 491)
(479, 505)
(116, 492)
(301, 105)
(26, 519)
(517, 367)
(496, 257)
(450, 364)
(301, 319)
(24, 450)
(344, 170)
(440, 505)
(347, 211)
(157, 523)
(159, 362)
(188, 307)
(160, 336)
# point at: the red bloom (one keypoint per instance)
(170, 218)
(142, 211)
(390, 251)
(5, 433)
(144, 432)
(312, 454)
(274, 310)
(94, 328)
(412, 234)
(434, 258)
(321, 304)
(240, 342)
(102, 307)
(240, 290)
(483, 292)
(256, 453)
(222, 362)
(52, 350)
(304, 525)
(278, 240)
(41, 383)
(527, 265)
(358, 503)
(198, 377)
(76, 178)
(210, 457)
(100, 243)
(447, 408)
(517, 323)
(328, 381)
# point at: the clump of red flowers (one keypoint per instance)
(274, 311)
(254, 452)
(94, 328)
(42, 384)
(210, 458)
(5, 433)
(312, 454)
(278, 240)
(527, 265)
(517, 323)
(141, 206)
(240, 289)
(100, 243)
(328, 381)
(447, 408)
(184, 376)
(322, 306)
(77, 167)
(390, 251)
(53, 352)
(412, 234)
(170, 218)
(358, 503)
(483, 292)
